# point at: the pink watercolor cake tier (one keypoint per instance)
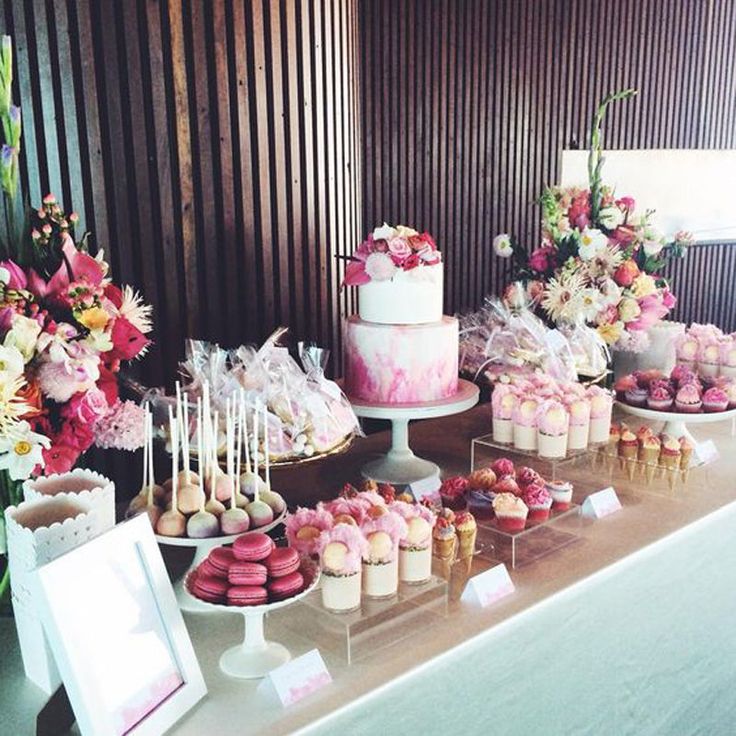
(400, 363)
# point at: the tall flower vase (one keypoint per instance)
(11, 494)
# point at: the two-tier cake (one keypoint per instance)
(399, 348)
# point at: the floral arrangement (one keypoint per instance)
(600, 261)
(387, 250)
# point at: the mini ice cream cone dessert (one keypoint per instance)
(467, 531)
(444, 544)
(669, 458)
(553, 421)
(649, 451)
(609, 451)
(686, 454)
(628, 451)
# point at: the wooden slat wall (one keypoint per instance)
(212, 148)
(467, 106)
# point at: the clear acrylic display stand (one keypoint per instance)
(484, 449)
(537, 540)
(378, 623)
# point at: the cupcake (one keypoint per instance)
(304, 527)
(539, 501)
(688, 399)
(709, 356)
(728, 358)
(341, 550)
(526, 476)
(601, 407)
(636, 397)
(686, 349)
(624, 384)
(577, 436)
(525, 424)
(659, 399)
(682, 374)
(511, 512)
(482, 479)
(503, 403)
(503, 467)
(553, 423)
(507, 485)
(452, 493)
(561, 493)
(714, 399)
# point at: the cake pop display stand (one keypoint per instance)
(255, 657)
(676, 423)
(400, 466)
(202, 548)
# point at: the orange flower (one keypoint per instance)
(31, 395)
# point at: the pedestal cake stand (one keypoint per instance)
(675, 423)
(400, 466)
(202, 548)
(255, 657)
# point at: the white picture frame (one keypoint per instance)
(118, 636)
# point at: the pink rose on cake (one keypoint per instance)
(380, 266)
(399, 250)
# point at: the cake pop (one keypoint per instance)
(188, 496)
(235, 520)
(202, 524)
(267, 495)
(260, 513)
(172, 523)
(249, 480)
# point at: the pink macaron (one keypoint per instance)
(247, 573)
(286, 586)
(210, 588)
(282, 561)
(253, 546)
(207, 568)
(221, 558)
(247, 595)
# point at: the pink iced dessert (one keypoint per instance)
(686, 348)
(682, 373)
(553, 421)
(659, 399)
(525, 423)
(401, 364)
(688, 399)
(539, 501)
(579, 409)
(503, 467)
(511, 512)
(601, 408)
(503, 403)
(304, 527)
(715, 399)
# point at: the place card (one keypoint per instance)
(426, 488)
(602, 503)
(488, 587)
(298, 678)
(706, 452)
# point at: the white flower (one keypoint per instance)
(611, 217)
(590, 303)
(11, 405)
(610, 293)
(652, 247)
(20, 451)
(562, 296)
(385, 232)
(11, 364)
(98, 341)
(380, 266)
(402, 231)
(135, 311)
(23, 335)
(4, 275)
(592, 242)
(502, 245)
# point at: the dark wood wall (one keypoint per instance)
(212, 148)
(467, 106)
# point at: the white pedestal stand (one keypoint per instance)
(400, 466)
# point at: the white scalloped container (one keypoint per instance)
(39, 530)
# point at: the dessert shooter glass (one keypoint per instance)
(552, 445)
(415, 564)
(341, 592)
(381, 579)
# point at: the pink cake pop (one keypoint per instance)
(172, 523)
(202, 524)
(236, 520)
(260, 513)
(249, 481)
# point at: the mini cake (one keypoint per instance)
(686, 349)
(507, 484)
(539, 501)
(709, 355)
(341, 550)
(503, 467)
(526, 476)
(660, 399)
(511, 512)
(636, 397)
(553, 422)
(482, 479)
(561, 493)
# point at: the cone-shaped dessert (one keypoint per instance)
(467, 531)
(444, 544)
(609, 451)
(669, 458)
(649, 451)
(686, 453)
(628, 450)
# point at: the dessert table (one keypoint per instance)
(628, 630)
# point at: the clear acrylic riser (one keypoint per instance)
(484, 450)
(378, 623)
(635, 476)
(537, 540)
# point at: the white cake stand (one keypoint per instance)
(202, 548)
(400, 465)
(256, 656)
(675, 423)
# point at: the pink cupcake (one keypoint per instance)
(511, 512)
(452, 493)
(682, 373)
(624, 384)
(715, 399)
(636, 397)
(527, 476)
(503, 467)
(553, 423)
(539, 501)
(688, 399)
(507, 485)
(660, 399)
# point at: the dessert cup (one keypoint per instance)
(341, 593)
(552, 445)
(729, 371)
(708, 370)
(577, 436)
(415, 564)
(381, 579)
(599, 429)
(503, 430)
(525, 438)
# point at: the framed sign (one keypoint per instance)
(117, 634)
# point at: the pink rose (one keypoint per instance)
(579, 212)
(652, 311)
(87, 407)
(411, 262)
(626, 203)
(59, 459)
(668, 299)
(399, 250)
(379, 266)
(18, 278)
(542, 260)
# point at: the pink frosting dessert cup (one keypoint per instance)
(525, 424)
(579, 430)
(553, 421)
(503, 403)
(601, 408)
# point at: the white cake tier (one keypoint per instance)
(401, 364)
(410, 297)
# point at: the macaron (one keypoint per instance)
(207, 568)
(282, 561)
(221, 558)
(247, 595)
(253, 546)
(286, 586)
(247, 573)
(209, 588)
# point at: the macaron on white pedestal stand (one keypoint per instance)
(256, 656)
(675, 423)
(400, 466)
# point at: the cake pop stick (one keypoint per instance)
(188, 490)
(172, 523)
(266, 448)
(245, 480)
(153, 511)
(267, 495)
(202, 524)
(214, 506)
(260, 512)
(235, 520)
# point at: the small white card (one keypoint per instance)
(706, 452)
(602, 503)
(427, 487)
(298, 678)
(488, 587)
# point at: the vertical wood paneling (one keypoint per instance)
(502, 87)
